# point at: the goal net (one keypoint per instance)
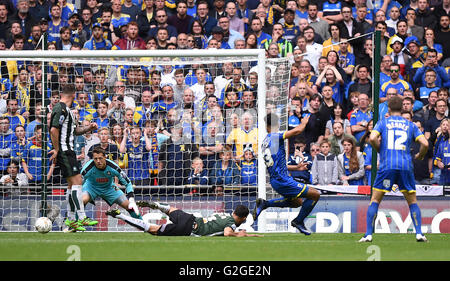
(185, 126)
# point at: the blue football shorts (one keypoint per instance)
(404, 179)
(289, 188)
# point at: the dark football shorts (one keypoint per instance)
(67, 161)
(182, 224)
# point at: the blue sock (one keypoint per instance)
(416, 217)
(278, 202)
(307, 207)
(371, 216)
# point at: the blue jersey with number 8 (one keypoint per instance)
(274, 155)
(397, 135)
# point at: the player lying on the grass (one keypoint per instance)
(392, 138)
(98, 181)
(274, 154)
(185, 224)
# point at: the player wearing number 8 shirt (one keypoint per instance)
(392, 138)
(292, 192)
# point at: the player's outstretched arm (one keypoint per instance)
(229, 232)
(298, 129)
(423, 147)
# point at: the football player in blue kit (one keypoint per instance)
(98, 181)
(392, 138)
(292, 192)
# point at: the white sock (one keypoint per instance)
(70, 205)
(77, 197)
(138, 223)
(165, 208)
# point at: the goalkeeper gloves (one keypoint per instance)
(132, 203)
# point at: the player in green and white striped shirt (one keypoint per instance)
(185, 224)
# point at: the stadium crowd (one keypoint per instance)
(196, 124)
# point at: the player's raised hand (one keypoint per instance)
(53, 154)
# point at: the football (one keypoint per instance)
(43, 225)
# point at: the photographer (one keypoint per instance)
(300, 163)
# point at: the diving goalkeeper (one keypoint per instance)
(185, 224)
(98, 181)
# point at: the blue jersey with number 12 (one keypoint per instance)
(397, 135)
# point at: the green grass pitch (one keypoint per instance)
(114, 246)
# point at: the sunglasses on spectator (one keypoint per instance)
(394, 70)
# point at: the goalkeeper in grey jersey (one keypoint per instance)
(185, 224)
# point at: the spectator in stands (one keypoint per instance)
(333, 80)
(112, 150)
(443, 37)
(146, 18)
(117, 136)
(206, 21)
(351, 164)
(431, 62)
(434, 121)
(97, 41)
(362, 83)
(5, 22)
(225, 172)
(32, 159)
(236, 23)
(422, 171)
(324, 169)
(261, 36)
(425, 16)
(37, 119)
(315, 129)
(249, 168)
(14, 178)
(161, 22)
(198, 175)
(15, 118)
(138, 151)
(131, 41)
(300, 162)
(336, 137)
(442, 160)
(19, 143)
(101, 115)
(394, 82)
(175, 158)
(397, 54)
(181, 19)
(230, 35)
(24, 16)
(212, 144)
(429, 109)
(85, 109)
(413, 29)
(337, 115)
(56, 23)
(6, 138)
(118, 18)
(360, 118)
(247, 135)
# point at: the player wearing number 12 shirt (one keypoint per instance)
(392, 138)
(292, 192)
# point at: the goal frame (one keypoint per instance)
(259, 55)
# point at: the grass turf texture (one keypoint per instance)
(56, 246)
